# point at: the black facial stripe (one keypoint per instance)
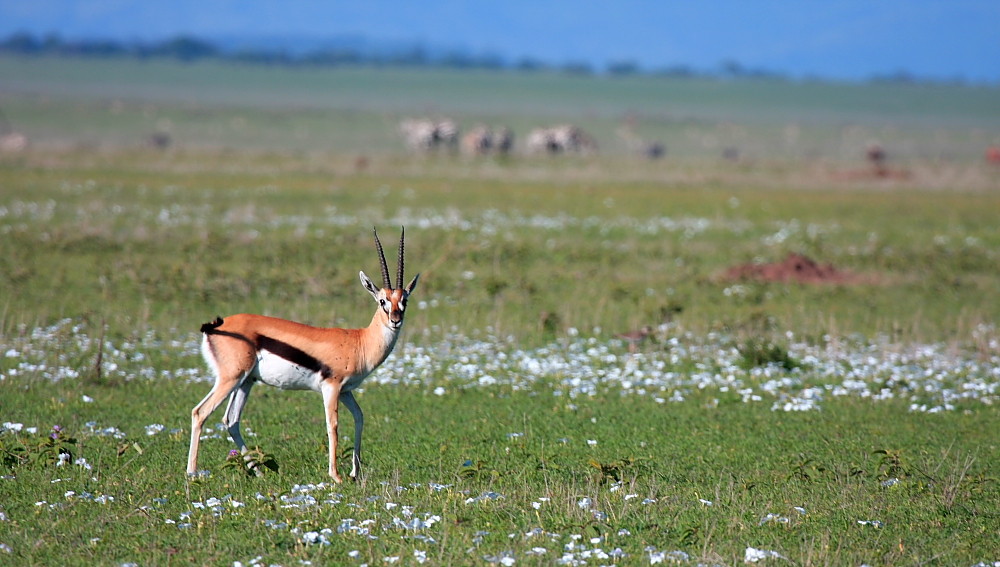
(293, 355)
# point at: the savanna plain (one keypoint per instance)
(521, 420)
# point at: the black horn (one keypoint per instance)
(399, 272)
(381, 257)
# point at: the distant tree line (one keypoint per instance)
(182, 48)
(188, 48)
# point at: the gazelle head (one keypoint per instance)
(391, 301)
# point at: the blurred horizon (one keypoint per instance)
(849, 40)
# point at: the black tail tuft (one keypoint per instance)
(207, 328)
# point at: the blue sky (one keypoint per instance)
(840, 39)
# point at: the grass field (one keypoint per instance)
(356, 110)
(839, 424)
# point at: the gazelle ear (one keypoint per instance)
(413, 284)
(367, 283)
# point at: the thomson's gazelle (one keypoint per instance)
(245, 349)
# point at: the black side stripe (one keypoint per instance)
(293, 355)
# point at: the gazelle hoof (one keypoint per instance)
(253, 465)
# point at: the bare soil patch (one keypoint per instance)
(794, 268)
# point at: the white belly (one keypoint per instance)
(281, 373)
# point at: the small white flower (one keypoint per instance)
(315, 538)
(86, 399)
(591, 442)
(873, 523)
(752, 555)
(439, 391)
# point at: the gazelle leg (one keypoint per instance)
(237, 401)
(331, 395)
(359, 424)
(200, 414)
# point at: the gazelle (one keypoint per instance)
(245, 349)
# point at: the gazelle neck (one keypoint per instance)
(380, 337)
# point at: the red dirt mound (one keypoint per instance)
(795, 268)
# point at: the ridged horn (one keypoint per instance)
(399, 271)
(381, 257)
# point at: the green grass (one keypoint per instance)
(145, 245)
(149, 251)
(833, 424)
(748, 463)
(120, 103)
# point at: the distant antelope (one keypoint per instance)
(478, 141)
(482, 140)
(245, 349)
(875, 154)
(13, 142)
(636, 144)
(424, 135)
(503, 140)
(418, 134)
(564, 138)
(446, 134)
